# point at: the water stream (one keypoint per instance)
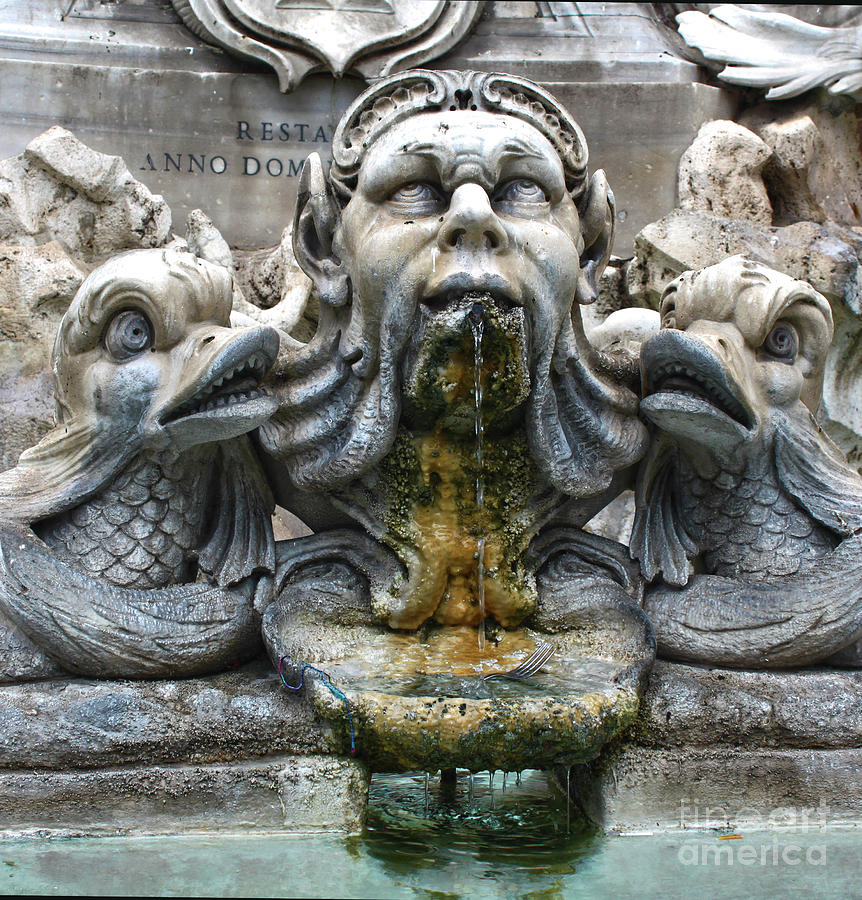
(477, 326)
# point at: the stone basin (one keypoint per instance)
(419, 701)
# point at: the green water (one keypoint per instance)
(437, 844)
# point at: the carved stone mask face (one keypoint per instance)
(448, 207)
(146, 347)
(431, 217)
(738, 341)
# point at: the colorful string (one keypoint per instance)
(326, 681)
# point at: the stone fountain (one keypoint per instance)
(446, 433)
(451, 416)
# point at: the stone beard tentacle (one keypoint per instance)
(582, 426)
(340, 397)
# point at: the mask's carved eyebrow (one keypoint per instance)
(513, 146)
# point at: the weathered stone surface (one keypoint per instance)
(21, 659)
(206, 241)
(60, 189)
(76, 724)
(721, 748)
(277, 289)
(815, 172)
(692, 706)
(36, 286)
(720, 174)
(734, 788)
(688, 240)
(276, 793)
(615, 520)
(841, 410)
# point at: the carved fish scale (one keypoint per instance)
(746, 523)
(140, 531)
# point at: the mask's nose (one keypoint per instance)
(471, 223)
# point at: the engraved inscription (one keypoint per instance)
(182, 161)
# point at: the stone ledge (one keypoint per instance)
(690, 706)
(79, 724)
(282, 794)
(695, 789)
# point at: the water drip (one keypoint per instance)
(470, 787)
(425, 804)
(504, 781)
(477, 326)
(480, 588)
(569, 800)
(491, 774)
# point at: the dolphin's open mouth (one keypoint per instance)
(236, 384)
(225, 398)
(677, 365)
(679, 379)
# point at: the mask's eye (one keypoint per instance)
(782, 343)
(521, 190)
(128, 334)
(415, 192)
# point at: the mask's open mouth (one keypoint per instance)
(499, 299)
(456, 339)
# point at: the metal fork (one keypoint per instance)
(543, 652)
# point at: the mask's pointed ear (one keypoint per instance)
(598, 213)
(314, 223)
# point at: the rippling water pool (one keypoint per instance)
(466, 840)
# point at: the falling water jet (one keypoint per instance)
(470, 788)
(477, 326)
(480, 588)
(569, 800)
(504, 781)
(448, 785)
(425, 805)
(491, 773)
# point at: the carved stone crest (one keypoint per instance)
(295, 37)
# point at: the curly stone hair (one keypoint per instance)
(397, 97)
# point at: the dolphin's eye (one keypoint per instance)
(782, 343)
(128, 334)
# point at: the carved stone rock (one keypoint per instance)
(815, 172)
(60, 189)
(720, 174)
(823, 256)
(36, 287)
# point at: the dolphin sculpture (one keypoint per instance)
(748, 519)
(135, 538)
